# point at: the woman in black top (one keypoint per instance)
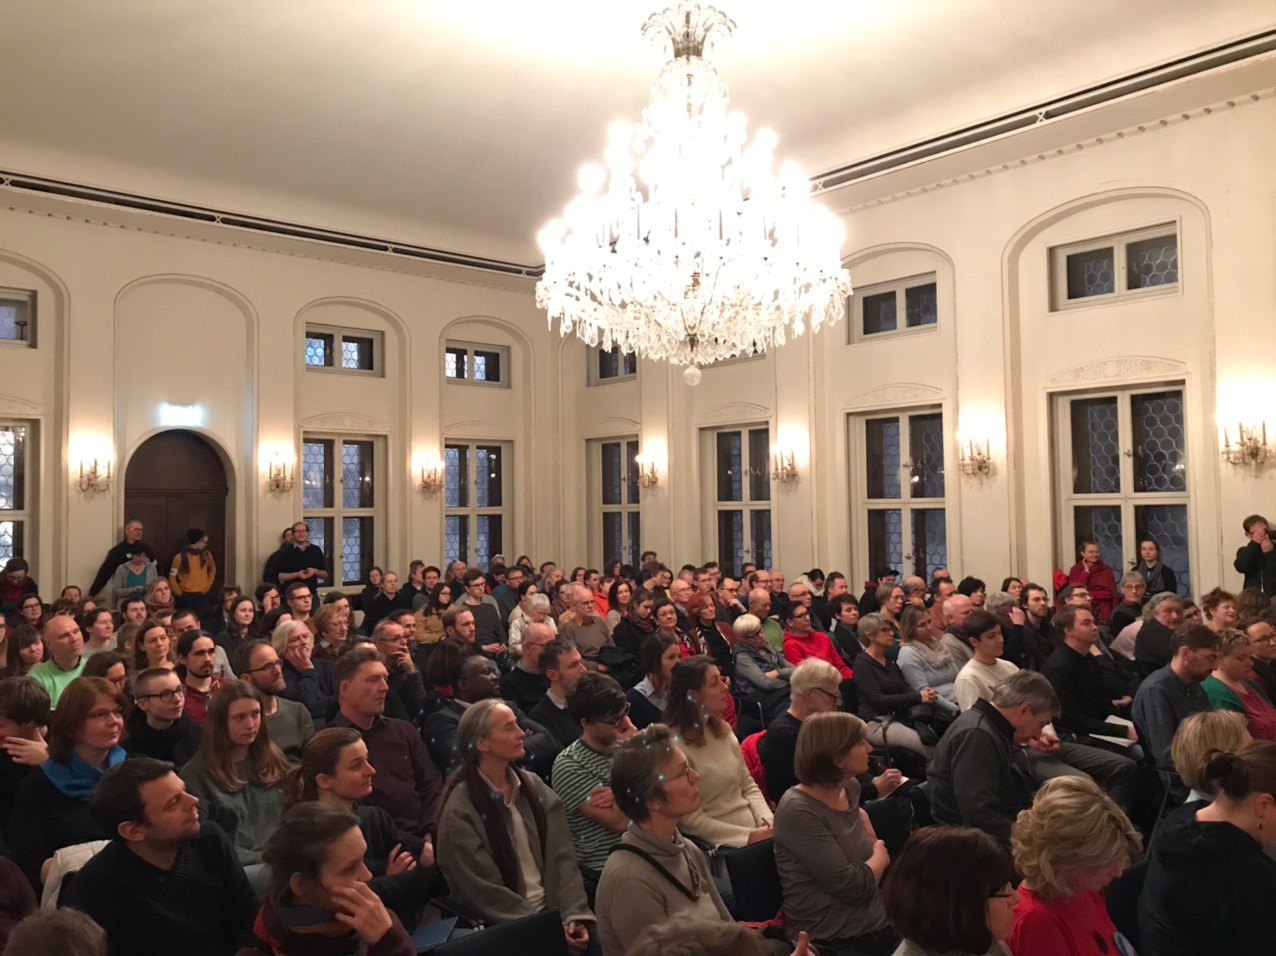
(886, 701)
(637, 624)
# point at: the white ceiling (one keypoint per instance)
(460, 125)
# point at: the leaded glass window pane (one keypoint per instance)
(1096, 454)
(930, 541)
(487, 541)
(760, 537)
(487, 368)
(356, 353)
(13, 464)
(731, 540)
(613, 529)
(730, 467)
(11, 539)
(487, 477)
(608, 363)
(319, 349)
(926, 445)
(1102, 525)
(454, 363)
(320, 534)
(1091, 273)
(635, 536)
(15, 319)
(879, 313)
(316, 473)
(1152, 262)
(356, 549)
(1167, 526)
(631, 471)
(356, 474)
(1159, 446)
(885, 539)
(759, 464)
(456, 538)
(456, 484)
(883, 457)
(920, 306)
(612, 467)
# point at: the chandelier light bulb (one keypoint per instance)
(708, 252)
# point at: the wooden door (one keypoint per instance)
(175, 481)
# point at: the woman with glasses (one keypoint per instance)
(51, 809)
(1233, 685)
(31, 612)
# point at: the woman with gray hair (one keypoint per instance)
(504, 844)
(761, 672)
(532, 609)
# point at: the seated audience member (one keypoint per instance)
(489, 632)
(956, 609)
(1150, 566)
(929, 662)
(1198, 738)
(388, 598)
(1174, 691)
(975, 589)
(24, 715)
(318, 900)
(66, 932)
(186, 619)
(1011, 618)
(886, 701)
(238, 774)
(814, 690)
(429, 613)
(666, 617)
(51, 808)
(761, 672)
(98, 627)
(951, 891)
(504, 844)
(407, 688)
(1230, 686)
(582, 772)
(978, 778)
(241, 625)
(289, 722)
(524, 684)
(474, 678)
(703, 620)
(533, 608)
(733, 811)
(563, 665)
(154, 647)
(1039, 635)
(1261, 631)
(1071, 843)
(637, 623)
(647, 698)
(167, 882)
(196, 661)
(801, 641)
(1083, 680)
(845, 613)
(407, 785)
(112, 666)
(619, 595)
(24, 649)
(158, 726)
(829, 858)
(1162, 614)
(1133, 592)
(656, 874)
(1210, 886)
(702, 937)
(582, 626)
(1218, 608)
(336, 772)
(1251, 603)
(65, 642)
(760, 607)
(299, 601)
(986, 667)
(332, 630)
(306, 680)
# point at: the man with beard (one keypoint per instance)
(196, 662)
(288, 722)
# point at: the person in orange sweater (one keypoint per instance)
(193, 574)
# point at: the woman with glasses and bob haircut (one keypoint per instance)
(1071, 843)
(51, 809)
(950, 892)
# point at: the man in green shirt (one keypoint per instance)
(582, 772)
(65, 641)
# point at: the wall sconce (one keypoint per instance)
(431, 474)
(1250, 446)
(975, 458)
(784, 466)
(279, 474)
(648, 473)
(95, 475)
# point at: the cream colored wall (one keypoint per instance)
(130, 318)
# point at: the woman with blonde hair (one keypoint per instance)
(1198, 738)
(1231, 687)
(332, 627)
(159, 597)
(1072, 842)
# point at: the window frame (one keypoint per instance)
(470, 348)
(24, 516)
(900, 287)
(338, 510)
(747, 504)
(628, 509)
(27, 298)
(339, 336)
(1119, 243)
(594, 376)
(471, 511)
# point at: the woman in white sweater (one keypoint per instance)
(732, 811)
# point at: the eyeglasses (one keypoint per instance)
(272, 666)
(799, 616)
(106, 714)
(165, 696)
(832, 696)
(618, 720)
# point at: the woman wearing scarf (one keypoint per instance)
(926, 663)
(637, 625)
(193, 574)
(504, 844)
(51, 809)
(1153, 570)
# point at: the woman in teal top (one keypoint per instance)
(1232, 686)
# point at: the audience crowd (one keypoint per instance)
(688, 761)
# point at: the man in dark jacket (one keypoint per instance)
(1075, 671)
(120, 554)
(158, 727)
(303, 561)
(1257, 560)
(563, 666)
(979, 777)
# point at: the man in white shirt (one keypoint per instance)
(986, 668)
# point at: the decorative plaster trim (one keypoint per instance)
(474, 428)
(734, 412)
(904, 393)
(345, 421)
(1118, 369)
(9, 405)
(606, 427)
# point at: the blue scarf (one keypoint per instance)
(76, 777)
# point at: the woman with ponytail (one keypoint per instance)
(1210, 887)
(335, 772)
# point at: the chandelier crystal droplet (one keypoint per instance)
(689, 247)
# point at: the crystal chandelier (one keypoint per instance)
(689, 247)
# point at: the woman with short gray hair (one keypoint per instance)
(761, 672)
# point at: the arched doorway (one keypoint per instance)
(174, 481)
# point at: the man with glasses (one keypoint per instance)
(1262, 640)
(158, 726)
(524, 684)
(302, 561)
(288, 722)
(489, 632)
(391, 639)
(583, 627)
(1166, 697)
(582, 772)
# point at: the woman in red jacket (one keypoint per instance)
(1097, 578)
